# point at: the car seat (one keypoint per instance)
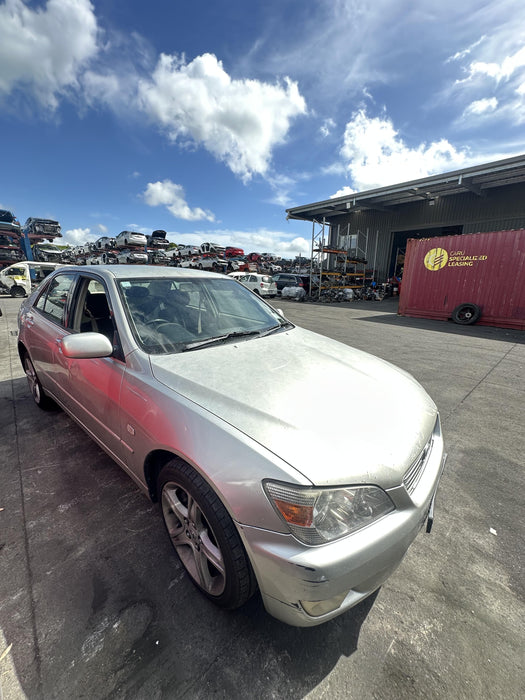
(97, 316)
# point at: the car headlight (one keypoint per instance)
(319, 515)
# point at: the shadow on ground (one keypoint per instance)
(95, 602)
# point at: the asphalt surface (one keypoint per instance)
(94, 604)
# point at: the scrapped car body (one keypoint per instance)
(9, 224)
(263, 285)
(19, 279)
(157, 239)
(126, 239)
(41, 229)
(130, 256)
(186, 378)
(105, 243)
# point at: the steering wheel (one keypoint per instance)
(156, 320)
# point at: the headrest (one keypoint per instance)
(136, 292)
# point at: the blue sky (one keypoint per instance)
(208, 118)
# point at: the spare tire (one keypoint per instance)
(466, 314)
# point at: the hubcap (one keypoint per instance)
(193, 538)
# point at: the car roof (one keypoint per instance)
(144, 271)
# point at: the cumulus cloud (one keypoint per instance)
(79, 236)
(45, 49)
(502, 70)
(281, 243)
(377, 156)
(171, 195)
(238, 121)
(342, 192)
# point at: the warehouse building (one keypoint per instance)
(375, 225)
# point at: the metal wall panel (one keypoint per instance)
(485, 269)
(499, 208)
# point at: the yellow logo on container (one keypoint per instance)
(436, 258)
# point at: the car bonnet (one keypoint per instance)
(336, 414)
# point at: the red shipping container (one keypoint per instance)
(461, 277)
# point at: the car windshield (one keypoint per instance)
(168, 315)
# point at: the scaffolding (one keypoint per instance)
(339, 259)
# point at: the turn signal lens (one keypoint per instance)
(295, 514)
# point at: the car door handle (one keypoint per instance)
(29, 321)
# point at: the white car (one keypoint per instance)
(105, 243)
(260, 284)
(130, 238)
(187, 250)
(132, 257)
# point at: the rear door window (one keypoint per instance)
(53, 302)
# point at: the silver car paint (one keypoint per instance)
(237, 427)
(250, 384)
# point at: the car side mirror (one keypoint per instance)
(82, 346)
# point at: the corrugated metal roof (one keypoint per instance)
(475, 179)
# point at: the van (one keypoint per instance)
(18, 280)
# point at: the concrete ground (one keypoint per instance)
(93, 603)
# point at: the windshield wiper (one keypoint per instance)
(274, 329)
(218, 339)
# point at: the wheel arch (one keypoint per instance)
(22, 350)
(153, 465)
(157, 460)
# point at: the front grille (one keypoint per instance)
(414, 473)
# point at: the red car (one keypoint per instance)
(231, 252)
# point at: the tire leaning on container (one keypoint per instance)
(204, 536)
(466, 314)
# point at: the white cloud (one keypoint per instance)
(327, 127)
(171, 195)
(376, 156)
(483, 106)
(238, 121)
(260, 241)
(46, 48)
(342, 192)
(79, 236)
(103, 229)
(502, 70)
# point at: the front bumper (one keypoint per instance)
(339, 575)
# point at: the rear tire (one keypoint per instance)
(204, 536)
(40, 397)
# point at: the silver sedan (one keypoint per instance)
(212, 402)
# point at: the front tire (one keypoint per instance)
(204, 536)
(17, 291)
(40, 397)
